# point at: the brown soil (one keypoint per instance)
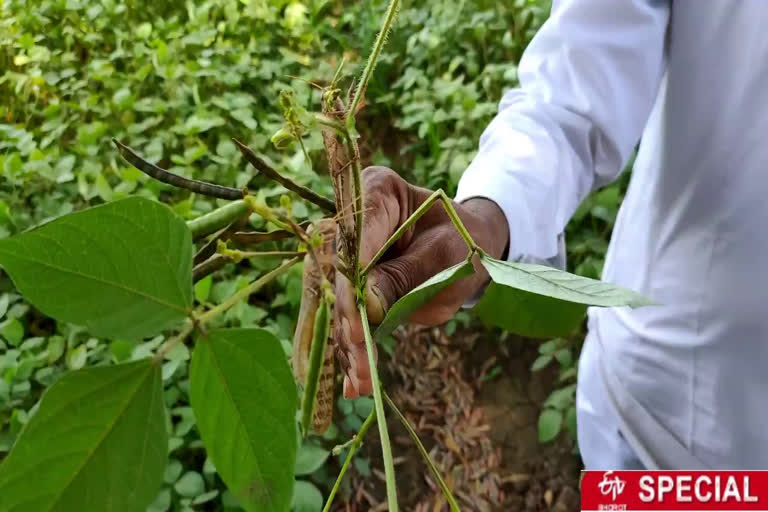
(479, 427)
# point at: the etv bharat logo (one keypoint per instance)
(613, 486)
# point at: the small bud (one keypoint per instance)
(283, 138)
(285, 204)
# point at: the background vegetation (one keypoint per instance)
(175, 81)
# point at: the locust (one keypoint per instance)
(313, 350)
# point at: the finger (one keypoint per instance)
(385, 207)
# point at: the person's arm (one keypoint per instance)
(588, 81)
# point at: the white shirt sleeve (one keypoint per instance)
(588, 81)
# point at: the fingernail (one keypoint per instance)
(349, 389)
(352, 373)
(376, 306)
(346, 332)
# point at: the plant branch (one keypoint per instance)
(381, 39)
(354, 152)
(217, 219)
(386, 448)
(208, 249)
(238, 255)
(189, 326)
(329, 122)
(356, 442)
(437, 195)
(257, 237)
(199, 187)
(415, 437)
(209, 266)
(264, 168)
(245, 292)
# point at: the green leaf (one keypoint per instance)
(306, 497)
(77, 357)
(12, 331)
(570, 422)
(310, 458)
(403, 308)
(191, 484)
(541, 362)
(538, 301)
(123, 269)
(244, 399)
(564, 356)
(97, 442)
(550, 422)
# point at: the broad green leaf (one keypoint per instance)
(550, 422)
(538, 301)
(244, 399)
(306, 497)
(123, 269)
(403, 308)
(97, 442)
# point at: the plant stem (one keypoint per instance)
(357, 186)
(245, 292)
(257, 237)
(267, 171)
(357, 441)
(209, 266)
(448, 205)
(217, 219)
(416, 215)
(386, 448)
(235, 254)
(415, 437)
(189, 326)
(373, 57)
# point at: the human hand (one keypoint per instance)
(431, 245)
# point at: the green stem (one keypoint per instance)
(217, 219)
(247, 291)
(237, 255)
(331, 123)
(381, 39)
(386, 448)
(448, 205)
(358, 191)
(268, 172)
(189, 326)
(435, 472)
(357, 441)
(416, 215)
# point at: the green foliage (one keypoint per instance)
(176, 82)
(98, 437)
(560, 406)
(123, 269)
(244, 400)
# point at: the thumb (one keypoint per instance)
(389, 280)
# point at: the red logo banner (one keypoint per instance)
(674, 490)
